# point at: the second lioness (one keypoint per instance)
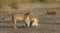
(33, 20)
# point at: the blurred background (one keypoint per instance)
(17, 4)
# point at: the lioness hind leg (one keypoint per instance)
(15, 23)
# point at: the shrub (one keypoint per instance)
(51, 13)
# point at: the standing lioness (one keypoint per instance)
(21, 16)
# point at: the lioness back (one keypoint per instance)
(19, 16)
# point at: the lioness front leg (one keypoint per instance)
(27, 24)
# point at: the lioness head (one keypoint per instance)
(28, 13)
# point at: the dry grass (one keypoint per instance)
(18, 4)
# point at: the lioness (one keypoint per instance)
(33, 21)
(21, 16)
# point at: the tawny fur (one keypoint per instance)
(22, 17)
(34, 20)
(26, 17)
